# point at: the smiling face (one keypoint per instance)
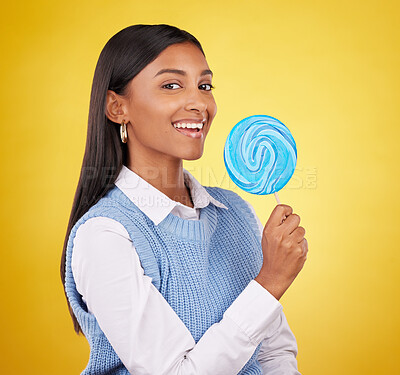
(168, 98)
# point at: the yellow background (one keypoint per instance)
(328, 70)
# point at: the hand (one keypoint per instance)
(284, 249)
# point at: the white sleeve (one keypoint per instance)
(279, 349)
(144, 330)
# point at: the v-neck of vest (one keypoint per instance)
(194, 230)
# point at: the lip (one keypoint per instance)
(190, 134)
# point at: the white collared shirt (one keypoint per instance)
(142, 327)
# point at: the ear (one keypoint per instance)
(115, 107)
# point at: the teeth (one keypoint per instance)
(188, 125)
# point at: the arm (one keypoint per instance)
(143, 329)
(279, 349)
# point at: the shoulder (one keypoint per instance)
(224, 194)
(229, 198)
(114, 212)
(96, 239)
(238, 205)
(97, 227)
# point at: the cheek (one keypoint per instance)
(152, 113)
(212, 108)
(152, 120)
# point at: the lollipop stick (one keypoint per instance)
(277, 198)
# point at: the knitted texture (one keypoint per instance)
(199, 266)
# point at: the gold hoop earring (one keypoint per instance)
(123, 132)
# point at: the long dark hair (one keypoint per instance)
(122, 58)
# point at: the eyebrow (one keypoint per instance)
(182, 72)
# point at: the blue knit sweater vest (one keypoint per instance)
(199, 266)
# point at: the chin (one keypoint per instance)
(192, 154)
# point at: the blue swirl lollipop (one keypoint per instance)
(260, 155)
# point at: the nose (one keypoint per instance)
(195, 100)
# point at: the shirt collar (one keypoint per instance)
(155, 204)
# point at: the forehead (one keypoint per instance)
(184, 56)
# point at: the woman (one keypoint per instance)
(162, 274)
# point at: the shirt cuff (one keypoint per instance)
(253, 311)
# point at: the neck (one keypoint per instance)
(165, 174)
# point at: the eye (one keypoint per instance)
(168, 86)
(209, 86)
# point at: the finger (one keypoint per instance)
(290, 224)
(279, 214)
(298, 234)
